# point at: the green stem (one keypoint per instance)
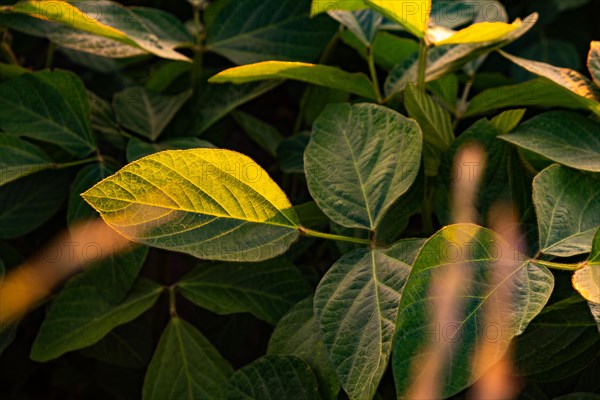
(373, 71)
(427, 211)
(172, 302)
(76, 163)
(423, 50)
(563, 267)
(463, 103)
(310, 233)
(50, 55)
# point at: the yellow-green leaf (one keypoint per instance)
(322, 75)
(413, 15)
(480, 32)
(65, 13)
(210, 203)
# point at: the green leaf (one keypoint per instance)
(9, 332)
(587, 282)
(323, 75)
(274, 377)
(167, 73)
(265, 135)
(104, 122)
(566, 78)
(538, 92)
(481, 32)
(446, 59)
(297, 333)
(267, 290)
(594, 62)
(80, 317)
(364, 24)
(562, 136)
(19, 158)
(507, 121)
(147, 113)
(210, 103)
(321, 6)
(360, 160)
(435, 122)
(562, 333)
(405, 250)
(167, 27)
(478, 249)
(137, 148)
(356, 305)
(48, 106)
(252, 31)
(388, 49)
(595, 254)
(29, 202)
(567, 203)
(558, 53)
(127, 345)
(579, 396)
(110, 24)
(414, 16)
(11, 71)
(185, 366)
(291, 153)
(210, 203)
(504, 177)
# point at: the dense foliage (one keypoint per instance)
(292, 173)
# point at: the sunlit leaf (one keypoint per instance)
(594, 62)
(414, 16)
(323, 75)
(507, 121)
(210, 203)
(567, 204)
(526, 286)
(564, 77)
(364, 24)
(480, 32)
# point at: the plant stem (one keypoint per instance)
(462, 105)
(373, 71)
(172, 301)
(76, 163)
(198, 50)
(563, 267)
(310, 233)
(50, 55)
(6, 49)
(423, 50)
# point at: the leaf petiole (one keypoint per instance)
(310, 233)
(76, 163)
(560, 266)
(373, 71)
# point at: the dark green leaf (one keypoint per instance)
(210, 103)
(251, 31)
(562, 136)
(538, 92)
(558, 53)
(297, 333)
(379, 154)
(291, 153)
(185, 366)
(477, 250)
(146, 113)
(265, 135)
(48, 106)
(19, 158)
(29, 202)
(104, 122)
(267, 290)
(356, 305)
(388, 49)
(80, 316)
(364, 24)
(567, 204)
(274, 377)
